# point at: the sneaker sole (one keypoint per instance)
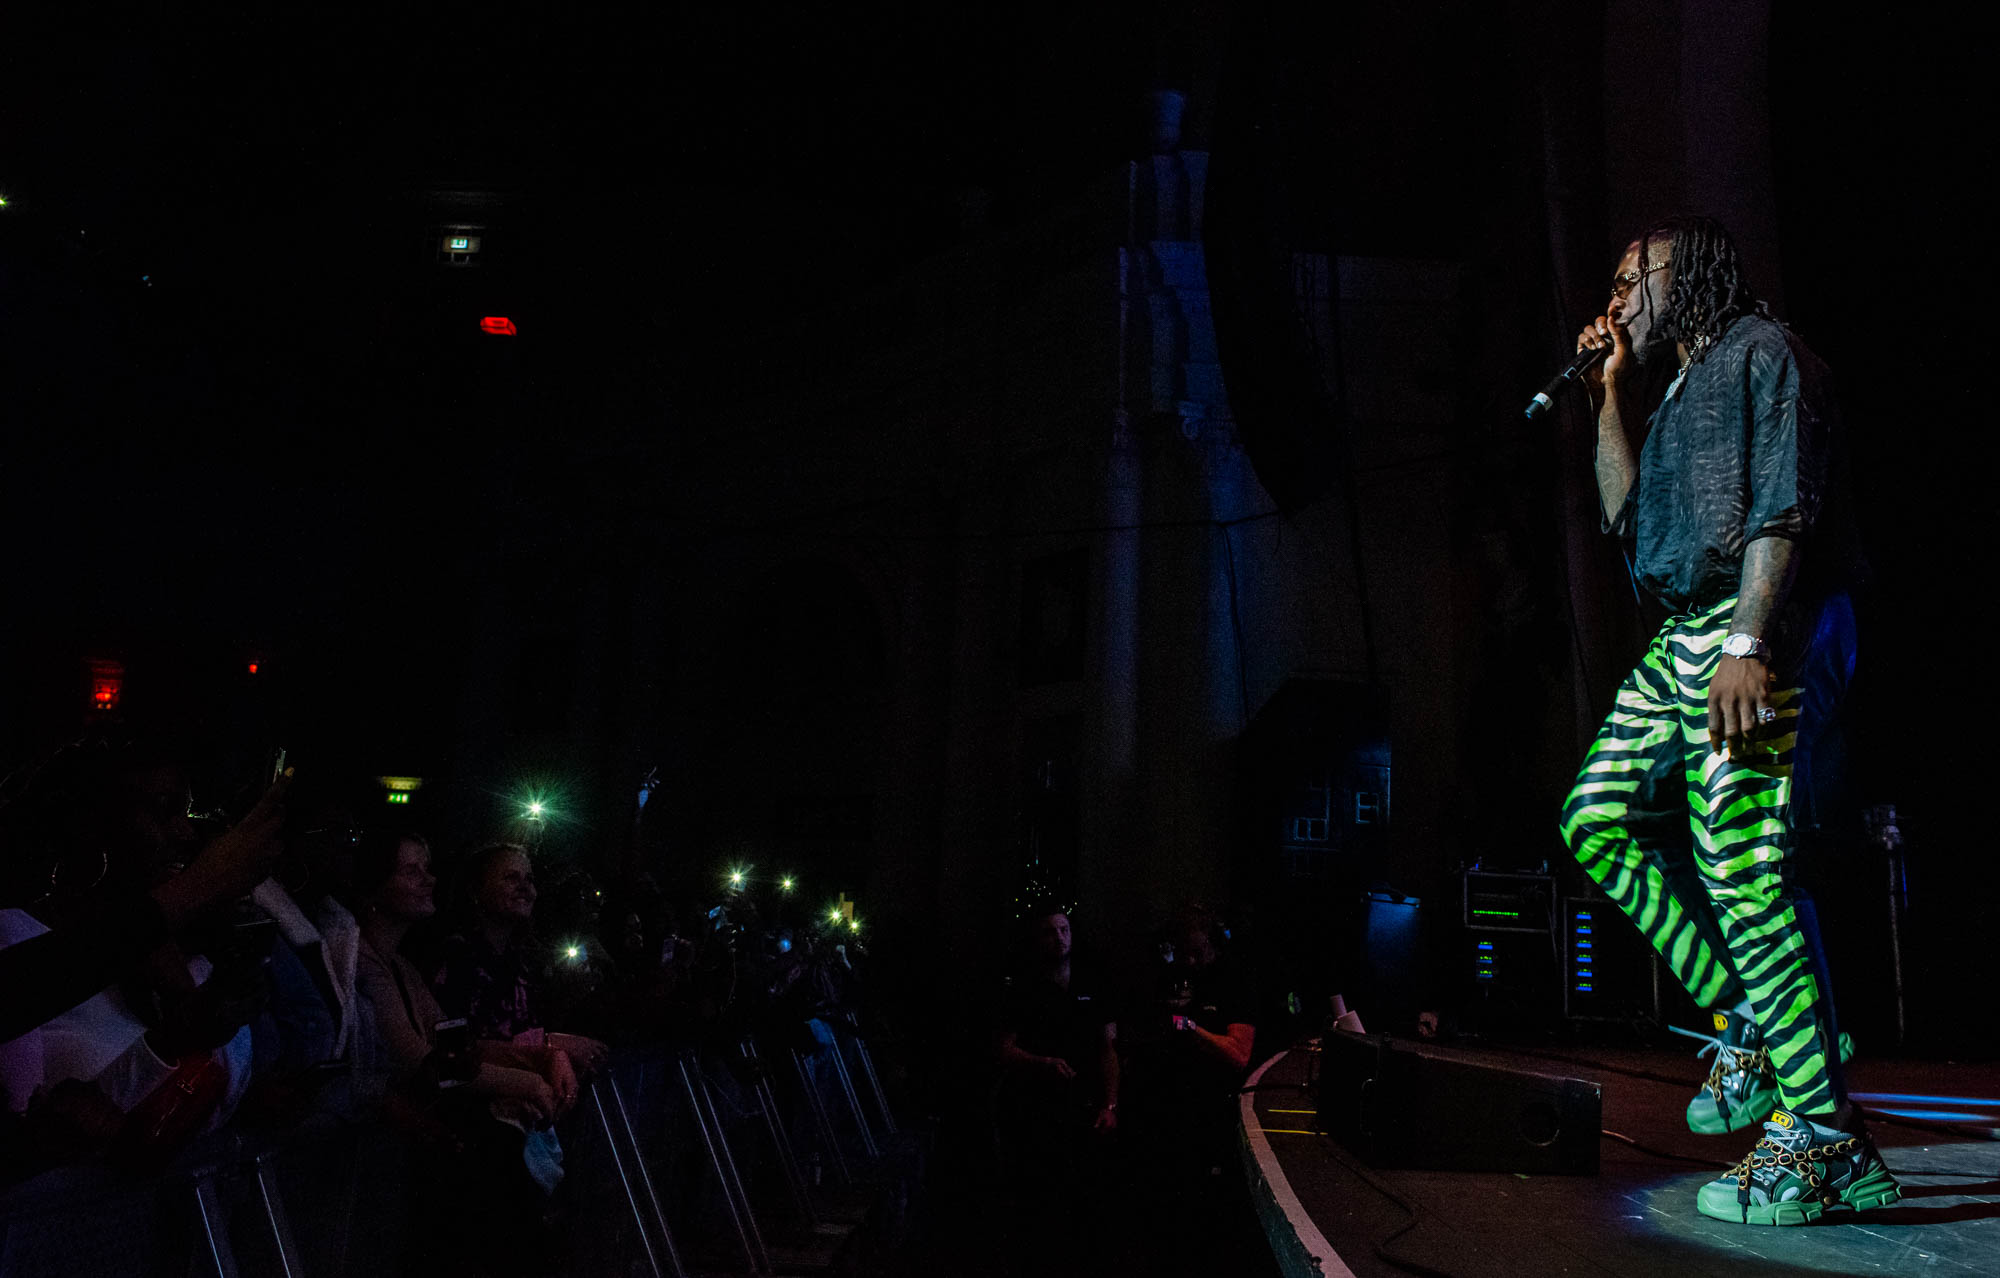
(1779, 1214)
(1878, 1189)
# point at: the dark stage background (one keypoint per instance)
(862, 460)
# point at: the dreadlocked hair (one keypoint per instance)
(1710, 290)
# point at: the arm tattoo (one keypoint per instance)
(1769, 565)
(1614, 462)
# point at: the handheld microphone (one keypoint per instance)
(1585, 360)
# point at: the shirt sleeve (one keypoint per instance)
(404, 1044)
(135, 1074)
(306, 1030)
(1786, 466)
(45, 973)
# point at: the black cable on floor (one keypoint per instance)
(1408, 1208)
(1373, 1182)
(1623, 1139)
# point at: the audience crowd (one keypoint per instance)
(165, 977)
(168, 978)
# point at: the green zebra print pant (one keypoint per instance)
(1723, 917)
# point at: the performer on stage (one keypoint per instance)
(1734, 512)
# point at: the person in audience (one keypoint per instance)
(393, 890)
(483, 971)
(315, 1007)
(165, 1049)
(99, 939)
(489, 1097)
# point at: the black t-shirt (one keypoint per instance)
(1181, 1091)
(1217, 999)
(1048, 1020)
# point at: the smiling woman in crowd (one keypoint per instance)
(507, 1092)
(482, 973)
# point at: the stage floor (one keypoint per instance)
(1637, 1217)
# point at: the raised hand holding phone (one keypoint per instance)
(233, 862)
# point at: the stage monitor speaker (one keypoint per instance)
(1396, 1104)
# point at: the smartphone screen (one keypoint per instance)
(452, 1041)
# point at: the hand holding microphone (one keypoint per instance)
(1603, 353)
(1606, 336)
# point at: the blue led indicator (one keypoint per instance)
(1486, 945)
(1583, 931)
(1582, 914)
(1583, 989)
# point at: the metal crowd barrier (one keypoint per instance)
(676, 1157)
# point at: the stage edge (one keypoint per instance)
(1301, 1249)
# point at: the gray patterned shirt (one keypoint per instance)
(1738, 449)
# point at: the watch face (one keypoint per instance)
(1739, 645)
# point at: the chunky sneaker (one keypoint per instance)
(1796, 1172)
(1742, 1087)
